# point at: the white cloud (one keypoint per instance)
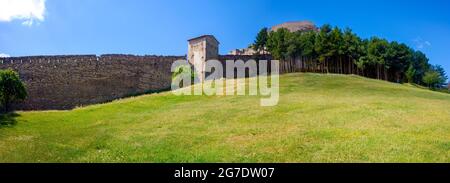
(420, 43)
(27, 22)
(29, 11)
(3, 55)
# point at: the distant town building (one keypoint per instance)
(296, 26)
(200, 50)
(245, 51)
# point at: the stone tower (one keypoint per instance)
(200, 50)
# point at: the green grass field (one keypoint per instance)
(320, 118)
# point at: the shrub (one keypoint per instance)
(11, 89)
(431, 78)
(184, 71)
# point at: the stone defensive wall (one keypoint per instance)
(224, 58)
(69, 81)
(65, 82)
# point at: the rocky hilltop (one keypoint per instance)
(296, 26)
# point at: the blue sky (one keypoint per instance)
(162, 27)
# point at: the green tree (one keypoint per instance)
(293, 45)
(442, 76)
(309, 56)
(11, 89)
(184, 71)
(420, 63)
(323, 46)
(337, 49)
(363, 60)
(398, 58)
(352, 49)
(431, 78)
(277, 44)
(261, 40)
(377, 51)
(410, 73)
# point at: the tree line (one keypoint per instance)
(333, 50)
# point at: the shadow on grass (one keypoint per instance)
(8, 120)
(146, 92)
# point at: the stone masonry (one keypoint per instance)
(65, 82)
(200, 50)
(68, 81)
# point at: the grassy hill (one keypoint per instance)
(320, 118)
